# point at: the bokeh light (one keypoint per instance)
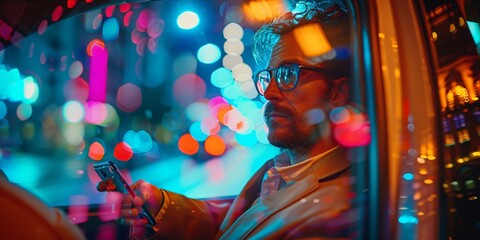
(73, 111)
(312, 39)
(351, 127)
(188, 145)
(95, 112)
(197, 111)
(188, 89)
(155, 27)
(140, 142)
(75, 69)
(129, 97)
(231, 60)
(233, 46)
(210, 125)
(122, 151)
(221, 78)
(57, 13)
(24, 111)
(197, 133)
(110, 29)
(188, 20)
(208, 53)
(96, 151)
(408, 176)
(30, 90)
(123, 90)
(233, 30)
(144, 19)
(261, 10)
(76, 89)
(215, 145)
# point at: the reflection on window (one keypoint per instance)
(459, 92)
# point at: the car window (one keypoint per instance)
(138, 83)
(164, 89)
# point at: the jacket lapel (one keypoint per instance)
(246, 197)
(331, 165)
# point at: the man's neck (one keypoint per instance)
(303, 153)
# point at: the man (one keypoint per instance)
(305, 191)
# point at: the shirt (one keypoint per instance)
(284, 171)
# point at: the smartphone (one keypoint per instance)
(109, 171)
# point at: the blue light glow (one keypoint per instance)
(405, 219)
(221, 77)
(208, 53)
(247, 140)
(110, 29)
(475, 30)
(197, 133)
(408, 176)
(3, 110)
(140, 142)
(231, 92)
(30, 90)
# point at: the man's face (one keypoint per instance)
(288, 115)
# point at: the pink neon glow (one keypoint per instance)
(125, 7)
(57, 13)
(98, 72)
(42, 27)
(127, 18)
(71, 3)
(96, 112)
(109, 11)
(155, 27)
(136, 36)
(144, 18)
(78, 208)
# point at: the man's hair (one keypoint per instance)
(333, 18)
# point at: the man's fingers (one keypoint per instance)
(130, 212)
(101, 186)
(138, 201)
(133, 221)
(106, 185)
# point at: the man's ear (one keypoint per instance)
(340, 92)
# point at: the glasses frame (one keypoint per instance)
(286, 67)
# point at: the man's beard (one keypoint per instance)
(285, 138)
(289, 133)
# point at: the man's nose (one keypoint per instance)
(272, 92)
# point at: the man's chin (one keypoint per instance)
(281, 140)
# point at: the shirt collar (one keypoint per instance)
(290, 172)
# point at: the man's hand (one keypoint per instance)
(131, 207)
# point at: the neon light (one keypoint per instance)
(98, 70)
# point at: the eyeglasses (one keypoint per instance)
(286, 76)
